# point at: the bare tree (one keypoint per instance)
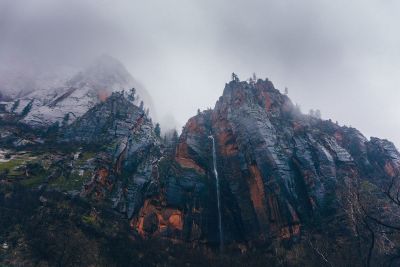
(377, 223)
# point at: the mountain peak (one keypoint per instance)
(261, 93)
(104, 74)
(74, 96)
(116, 116)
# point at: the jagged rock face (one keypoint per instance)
(115, 118)
(280, 171)
(130, 148)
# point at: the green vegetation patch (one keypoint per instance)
(72, 182)
(11, 166)
(90, 219)
(88, 155)
(368, 187)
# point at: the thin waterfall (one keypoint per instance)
(221, 237)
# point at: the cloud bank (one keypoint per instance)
(338, 56)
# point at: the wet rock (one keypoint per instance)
(125, 134)
(280, 170)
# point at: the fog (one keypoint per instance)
(342, 57)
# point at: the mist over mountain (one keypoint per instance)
(327, 54)
(62, 97)
(127, 140)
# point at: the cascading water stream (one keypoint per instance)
(221, 240)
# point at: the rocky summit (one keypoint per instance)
(65, 96)
(251, 182)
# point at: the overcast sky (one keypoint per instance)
(342, 57)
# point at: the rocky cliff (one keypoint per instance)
(282, 174)
(128, 146)
(294, 190)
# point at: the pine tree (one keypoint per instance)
(235, 78)
(15, 106)
(65, 120)
(157, 130)
(175, 137)
(27, 109)
(131, 94)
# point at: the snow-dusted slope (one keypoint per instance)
(70, 99)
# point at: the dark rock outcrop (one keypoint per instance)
(281, 172)
(130, 148)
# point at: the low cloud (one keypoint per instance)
(340, 57)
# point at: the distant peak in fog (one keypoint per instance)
(106, 72)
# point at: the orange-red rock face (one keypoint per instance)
(279, 172)
(184, 159)
(389, 169)
(187, 155)
(152, 221)
(103, 95)
(257, 194)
